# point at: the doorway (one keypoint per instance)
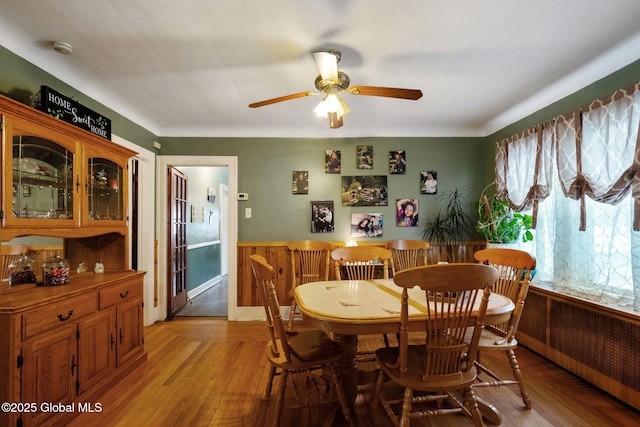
(205, 240)
(227, 197)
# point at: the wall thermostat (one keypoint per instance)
(243, 196)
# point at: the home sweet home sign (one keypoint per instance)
(70, 111)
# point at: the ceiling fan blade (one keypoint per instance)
(282, 98)
(327, 64)
(389, 92)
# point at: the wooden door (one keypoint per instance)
(130, 331)
(49, 372)
(96, 348)
(177, 232)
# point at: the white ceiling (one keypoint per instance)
(191, 67)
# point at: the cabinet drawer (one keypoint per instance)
(120, 293)
(59, 313)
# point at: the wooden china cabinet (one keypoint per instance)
(64, 346)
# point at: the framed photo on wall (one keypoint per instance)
(211, 194)
(322, 217)
(428, 182)
(332, 161)
(397, 162)
(300, 182)
(407, 212)
(368, 190)
(366, 225)
(364, 156)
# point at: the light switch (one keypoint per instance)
(247, 212)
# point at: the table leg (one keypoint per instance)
(348, 366)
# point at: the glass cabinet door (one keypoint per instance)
(42, 183)
(105, 198)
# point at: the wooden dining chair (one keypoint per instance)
(360, 262)
(438, 362)
(309, 352)
(9, 254)
(310, 260)
(407, 254)
(514, 273)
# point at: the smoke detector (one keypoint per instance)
(63, 48)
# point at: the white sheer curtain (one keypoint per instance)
(524, 169)
(585, 243)
(598, 263)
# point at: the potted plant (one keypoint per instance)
(451, 225)
(498, 223)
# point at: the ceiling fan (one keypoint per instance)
(331, 83)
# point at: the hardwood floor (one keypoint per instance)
(210, 303)
(210, 372)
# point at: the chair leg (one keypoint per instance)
(284, 376)
(515, 366)
(471, 404)
(386, 340)
(405, 418)
(337, 383)
(272, 374)
(292, 313)
(376, 391)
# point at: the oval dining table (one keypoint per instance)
(348, 308)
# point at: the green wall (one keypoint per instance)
(265, 169)
(203, 265)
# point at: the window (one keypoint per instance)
(587, 209)
(595, 264)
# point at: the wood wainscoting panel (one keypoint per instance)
(276, 254)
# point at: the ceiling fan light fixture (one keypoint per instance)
(332, 103)
(330, 82)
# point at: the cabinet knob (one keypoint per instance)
(63, 318)
(124, 294)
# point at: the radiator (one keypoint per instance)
(597, 343)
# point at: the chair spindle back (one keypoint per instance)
(359, 262)
(407, 254)
(451, 291)
(264, 273)
(514, 273)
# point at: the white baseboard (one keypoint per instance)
(203, 287)
(257, 313)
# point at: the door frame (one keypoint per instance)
(224, 228)
(231, 162)
(146, 228)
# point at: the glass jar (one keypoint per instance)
(22, 271)
(55, 272)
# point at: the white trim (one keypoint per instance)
(146, 232)
(253, 313)
(203, 287)
(163, 162)
(224, 229)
